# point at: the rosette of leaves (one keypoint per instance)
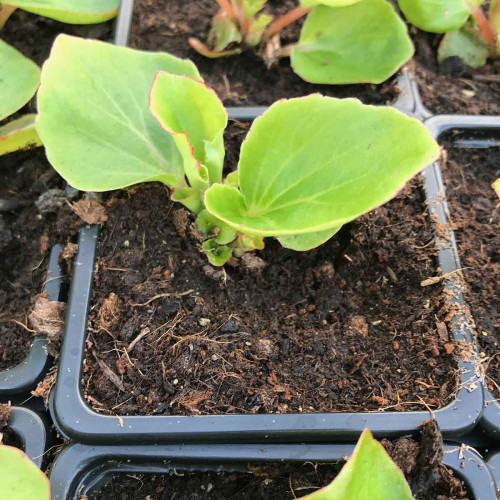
(20, 479)
(341, 42)
(368, 474)
(111, 117)
(470, 33)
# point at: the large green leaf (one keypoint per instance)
(314, 163)
(196, 117)
(369, 474)
(94, 118)
(19, 80)
(329, 3)
(20, 479)
(70, 11)
(437, 16)
(304, 242)
(363, 42)
(19, 134)
(466, 45)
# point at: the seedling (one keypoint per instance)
(111, 117)
(342, 41)
(19, 82)
(470, 34)
(369, 473)
(65, 11)
(20, 479)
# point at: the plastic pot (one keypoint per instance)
(478, 132)
(494, 465)
(81, 468)
(22, 378)
(76, 420)
(32, 431)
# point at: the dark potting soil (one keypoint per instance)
(26, 237)
(453, 87)
(421, 464)
(475, 212)
(344, 327)
(166, 25)
(33, 35)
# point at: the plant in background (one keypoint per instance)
(470, 34)
(19, 77)
(111, 117)
(20, 479)
(19, 81)
(342, 41)
(368, 474)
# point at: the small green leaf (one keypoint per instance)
(365, 42)
(466, 45)
(189, 110)
(328, 3)
(368, 474)
(19, 80)
(94, 118)
(189, 198)
(314, 163)
(70, 11)
(19, 134)
(308, 241)
(20, 479)
(256, 30)
(496, 187)
(232, 179)
(217, 254)
(223, 33)
(251, 7)
(207, 224)
(437, 16)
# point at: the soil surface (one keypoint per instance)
(344, 327)
(452, 87)
(421, 464)
(166, 25)
(26, 237)
(475, 212)
(33, 35)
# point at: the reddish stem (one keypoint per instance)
(283, 21)
(226, 6)
(483, 24)
(5, 13)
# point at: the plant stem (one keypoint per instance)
(5, 13)
(226, 6)
(483, 24)
(283, 21)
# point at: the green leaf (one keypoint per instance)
(223, 32)
(206, 223)
(19, 81)
(94, 118)
(251, 7)
(365, 42)
(189, 198)
(19, 134)
(217, 254)
(328, 3)
(20, 479)
(465, 45)
(257, 28)
(70, 11)
(314, 163)
(368, 474)
(437, 16)
(193, 114)
(308, 241)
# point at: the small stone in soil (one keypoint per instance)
(229, 327)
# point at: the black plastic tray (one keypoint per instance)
(479, 132)
(32, 430)
(76, 420)
(81, 468)
(20, 379)
(493, 462)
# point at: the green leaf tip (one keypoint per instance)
(369, 474)
(20, 479)
(314, 163)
